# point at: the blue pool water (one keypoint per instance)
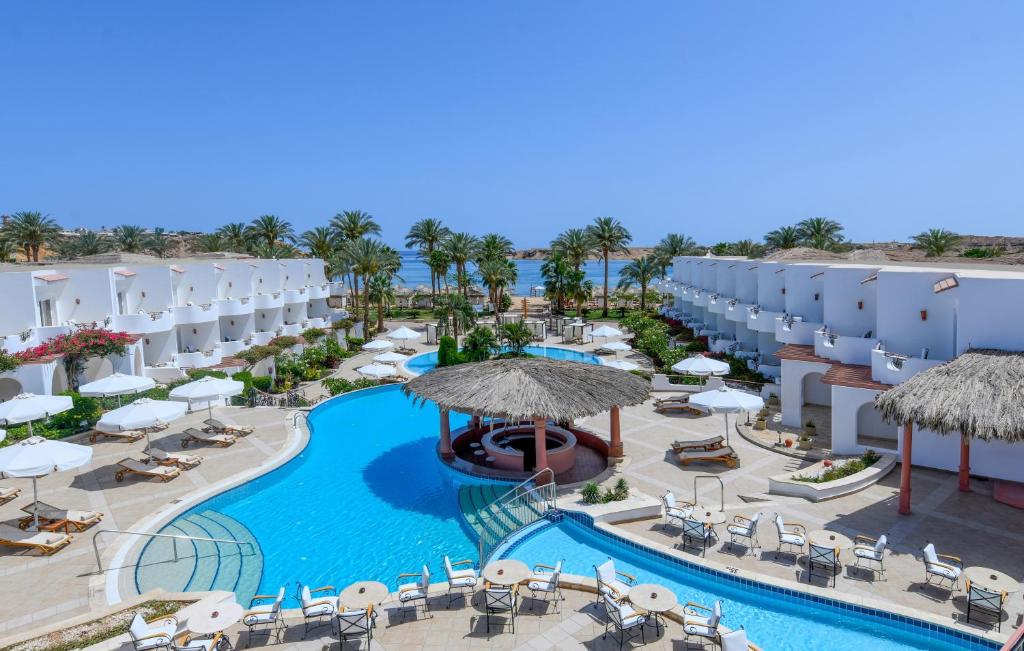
(420, 364)
(772, 620)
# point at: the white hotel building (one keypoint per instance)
(190, 313)
(837, 334)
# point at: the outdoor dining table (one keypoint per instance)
(215, 618)
(655, 599)
(506, 572)
(990, 579)
(363, 593)
(703, 513)
(826, 538)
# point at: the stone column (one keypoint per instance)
(965, 464)
(446, 436)
(540, 443)
(615, 449)
(908, 441)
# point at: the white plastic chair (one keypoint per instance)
(499, 600)
(316, 608)
(746, 528)
(702, 621)
(949, 569)
(870, 550)
(356, 623)
(612, 582)
(152, 635)
(410, 593)
(459, 580)
(264, 617)
(674, 512)
(626, 620)
(544, 580)
(794, 536)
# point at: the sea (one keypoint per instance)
(415, 272)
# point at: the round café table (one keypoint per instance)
(990, 579)
(655, 599)
(363, 593)
(506, 572)
(214, 618)
(706, 514)
(826, 538)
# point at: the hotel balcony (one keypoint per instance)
(723, 344)
(768, 370)
(718, 304)
(893, 368)
(700, 299)
(144, 323)
(291, 329)
(296, 295)
(201, 359)
(229, 348)
(791, 329)
(736, 311)
(843, 348)
(195, 314)
(318, 322)
(318, 291)
(760, 320)
(268, 301)
(234, 306)
(262, 338)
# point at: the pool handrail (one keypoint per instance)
(174, 543)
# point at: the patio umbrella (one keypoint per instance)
(606, 331)
(727, 401)
(378, 344)
(377, 371)
(623, 365)
(617, 346)
(35, 457)
(404, 334)
(117, 384)
(144, 414)
(27, 407)
(701, 366)
(207, 389)
(3, 435)
(390, 357)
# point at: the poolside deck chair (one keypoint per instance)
(697, 533)
(501, 599)
(709, 443)
(724, 454)
(356, 623)
(264, 617)
(8, 493)
(948, 569)
(45, 542)
(544, 581)
(985, 602)
(870, 550)
(52, 518)
(130, 466)
(612, 582)
(128, 436)
(742, 527)
(316, 606)
(677, 406)
(628, 621)
(179, 459)
(459, 580)
(701, 621)
(220, 427)
(410, 593)
(675, 511)
(826, 558)
(193, 435)
(793, 536)
(155, 634)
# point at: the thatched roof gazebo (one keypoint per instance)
(536, 388)
(978, 395)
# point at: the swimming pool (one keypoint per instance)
(420, 364)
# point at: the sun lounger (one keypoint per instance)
(180, 459)
(129, 436)
(677, 406)
(52, 518)
(710, 443)
(220, 427)
(8, 493)
(45, 542)
(136, 467)
(723, 454)
(193, 435)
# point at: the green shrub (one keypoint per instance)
(312, 334)
(343, 324)
(591, 493)
(448, 352)
(257, 354)
(196, 373)
(262, 382)
(354, 343)
(284, 341)
(337, 385)
(851, 467)
(982, 252)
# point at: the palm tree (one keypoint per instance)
(380, 291)
(516, 336)
(497, 274)
(209, 243)
(555, 272)
(575, 245)
(90, 243)
(609, 236)
(460, 248)
(159, 244)
(321, 243)
(454, 314)
(671, 246)
(426, 235)
(578, 289)
(271, 230)
(493, 246)
(349, 226)
(278, 251)
(746, 248)
(31, 230)
(785, 237)
(366, 257)
(479, 344)
(236, 236)
(936, 241)
(639, 272)
(439, 262)
(129, 238)
(820, 232)
(7, 250)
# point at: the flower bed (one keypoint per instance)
(809, 482)
(832, 472)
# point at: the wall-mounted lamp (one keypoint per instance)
(143, 294)
(78, 301)
(924, 315)
(147, 341)
(860, 305)
(783, 290)
(194, 331)
(816, 296)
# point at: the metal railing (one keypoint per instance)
(721, 486)
(174, 544)
(522, 505)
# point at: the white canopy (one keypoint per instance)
(404, 334)
(726, 401)
(144, 413)
(700, 365)
(207, 388)
(377, 371)
(617, 346)
(606, 331)
(3, 435)
(117, 384)
(390, 357)
(378, 344)
(35, 456)
(623, 365)
(26, 407)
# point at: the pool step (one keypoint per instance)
(485, 514)
(202, 565)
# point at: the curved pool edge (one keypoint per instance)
(411, 373)
(883, 611)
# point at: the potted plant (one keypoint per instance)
(760, 423)
(789, 443)
(804, 443)
(810, 429)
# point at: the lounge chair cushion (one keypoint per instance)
(261, 614)
(320, 607)
(792, 539)
(864, 551)
(740, 529)
(724, 451)
(410, 591)
(16, 535)
(462, 582)
(541, 585)
(700, 630)
(947, 571)
(137, 466)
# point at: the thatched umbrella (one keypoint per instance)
(535, 388)
(977, 395)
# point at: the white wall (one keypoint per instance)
(87, 295)
(805, 291)
(746, 282)
(267, 276)
(236, 327)
(815, 391)
(202, 336)
(267, 320)
(155, 282)
(727, 277)
(295, 312)
(990, 313)
(198, 284)
(236, 280)
(18, 291)
(295, 273)
(902, 294)
(769, 287)
(793, 399)
(158, 347)
(850, 307)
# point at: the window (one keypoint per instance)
(46, 313)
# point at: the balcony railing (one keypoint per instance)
(893, 368)
(843, 348)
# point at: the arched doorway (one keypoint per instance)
(873, 431)
(817, 407)
(9, 387)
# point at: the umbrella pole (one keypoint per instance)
(35, 502)
(30, 429)
(726, 414)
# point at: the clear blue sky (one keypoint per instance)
(721, 120)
